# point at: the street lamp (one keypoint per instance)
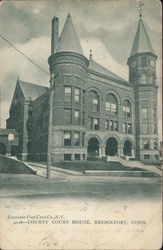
(52, 91)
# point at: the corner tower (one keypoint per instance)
(68, 68)
(142, 73)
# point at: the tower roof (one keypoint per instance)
(142, 42)
(68, 40)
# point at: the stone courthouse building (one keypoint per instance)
(95, 113)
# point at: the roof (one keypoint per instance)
(32, 91)
(100, 69)
(68, 40)
(142, 42)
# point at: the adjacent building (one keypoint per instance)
(95, 113)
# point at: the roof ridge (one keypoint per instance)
(30, 83)
(113, 75)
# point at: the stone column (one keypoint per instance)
(120, 151)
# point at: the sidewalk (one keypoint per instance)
(152, 172)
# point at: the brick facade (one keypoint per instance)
(95, 112)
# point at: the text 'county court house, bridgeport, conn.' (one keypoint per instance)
(95, 113)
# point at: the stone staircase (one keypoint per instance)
(138, 164)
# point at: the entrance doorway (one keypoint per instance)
(127, 150)
(93, 149)
(2, 148)
(111, 147)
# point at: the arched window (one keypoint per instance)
(111, 104)
(93, 101)
(127, 109)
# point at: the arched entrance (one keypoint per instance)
(127, 150)
(111, 147)
(93, 148)
(2, 148)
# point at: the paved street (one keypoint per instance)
(63, 185)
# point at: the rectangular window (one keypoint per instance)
(95, 104)
(83, 139)
(77, 157)
(129, 128)
(67, 157)
(146, 157)
(83, 118)
(76, 117)
(67, 116)
(76, 138)
(67, 138)
(111, 125)
(67, 94)
(90, 122)
(77, 95)
(96, 123)
(143, 79)
(146, 144)
(113, 108)
(124, 127)
(108, 106)
(106, 124)
(154, 129)
(84, 97)
(144, 113)
(116, 126)
(154, 144)
(143, 62)
(145, 129)
(83, 157)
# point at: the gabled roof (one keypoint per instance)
(142, 42)
(100, 69)
(32, 91)
(68, 40)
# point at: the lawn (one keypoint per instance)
(95, 165)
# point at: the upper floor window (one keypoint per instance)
(77, 95)
(76, 138)
(83, 117)
(127, 108)
(144, 113)
(67, 138)
(145, 129)
(93, 123)
(67, 116)
(146, 144)
(67, 94)
(143, 62)
(111, 104)
(83, 138)
(124, 127)
(84, 97)
(96, 123)
(93, 101)
(154, 128)
(154, 144)
(76, 117)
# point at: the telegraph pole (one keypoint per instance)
(51, 117)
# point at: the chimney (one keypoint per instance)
(54, 36)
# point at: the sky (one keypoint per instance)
(107, 27)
